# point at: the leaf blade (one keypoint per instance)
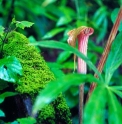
(115, 109)
(24, 24)
(60, 85)
(6, 94)
(52, 33)
(63, 46)
(10, 68)
(28, 120)
(94, 109)
(2, 113)
(1, 30)
(114, 59)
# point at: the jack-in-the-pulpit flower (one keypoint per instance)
(82, 34)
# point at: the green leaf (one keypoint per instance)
(24, 24)
(15, 122)
(115, 109)
(95, 107)
(57, 72)
(102, 30)
(47, 2)
(69, 65)
(99, 16)
(28, 120)
(64, 20)
(3, 85)
(6, 94)
(116, 87)
(63, 56)
(53, 32)
(1, 30)
(71, 96)
(2, 113)
(114, 16)
(2, 122)
(10, 69)
(54, 88)
(114, 59)
(64, 46)
(116, 90)
(13, 20)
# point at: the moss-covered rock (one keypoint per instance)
(61, 107)
(47, 115)
(36, 74)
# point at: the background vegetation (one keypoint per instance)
(52, 20)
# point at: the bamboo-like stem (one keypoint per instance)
(107, 49)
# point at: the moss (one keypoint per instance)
(62, 111)
(47, 115)
(36, 74)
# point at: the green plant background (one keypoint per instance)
(52, 20)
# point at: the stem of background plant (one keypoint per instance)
(3, 41)
(106, 50)
(82, 33)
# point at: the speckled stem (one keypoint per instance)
(106, 50)
(82, 46)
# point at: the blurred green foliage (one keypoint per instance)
(104, 94)
(53, 19)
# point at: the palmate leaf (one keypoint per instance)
(115, 58)
(64, 46)
(54, 88)
(95, 107)
(10, 69)
(116, 90)
(115, 109)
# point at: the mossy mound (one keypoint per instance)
(36, 74)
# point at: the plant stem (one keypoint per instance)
(10, 12)
(106, 50)
(82, 46)
(3, 41)
(82, 33)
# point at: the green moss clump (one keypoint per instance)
(36, 74)
(62, 110)
(47, 115)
